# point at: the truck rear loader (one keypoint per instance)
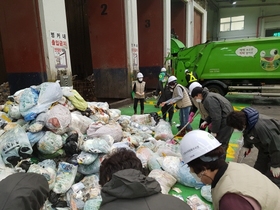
(250, 65)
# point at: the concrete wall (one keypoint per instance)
(212, 23)
(252, 16)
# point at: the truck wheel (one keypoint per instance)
(216, 89)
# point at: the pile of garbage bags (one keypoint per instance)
(51, 130)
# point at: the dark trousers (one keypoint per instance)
(141, 105)
(167, 109)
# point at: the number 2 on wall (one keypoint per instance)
(104, 9)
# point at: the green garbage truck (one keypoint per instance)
(249, 65)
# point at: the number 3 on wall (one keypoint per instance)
(104, 9)
(147, 23)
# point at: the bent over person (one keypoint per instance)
(263, 132)
(217, 107)
(125, 187)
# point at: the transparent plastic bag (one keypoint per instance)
(65, 177)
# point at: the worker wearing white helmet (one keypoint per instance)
(139, 75)
(183, 102)
(198, 107)
(139, 89)
(234, 185)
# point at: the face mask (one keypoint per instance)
(140, 79)
(198, 100)
(195, 176)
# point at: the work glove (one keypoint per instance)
(245, 151)
(214, 134)
(190, 120)
(275, 171)
(203, 125)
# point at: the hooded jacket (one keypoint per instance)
(129, 189)
(23, 191)
(263, 132)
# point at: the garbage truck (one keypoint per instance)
(232, 66)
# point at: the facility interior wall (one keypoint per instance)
(251, 20)
(212, 24)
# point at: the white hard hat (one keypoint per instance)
(172, 79)
(193, 86)
(197, 143)
(140, 75)
(163, 69)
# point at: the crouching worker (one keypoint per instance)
(262, 132)
(125, 187)
(23, 191)
(234, 185)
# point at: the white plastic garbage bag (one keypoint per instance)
(50, 143)
(113, 129)
(165, 180)
(14, 146)
(65, 177)
(58, 119)
(163, 131)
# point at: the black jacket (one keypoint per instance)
(23, 191)
(166, 94)
(263, 132)
(129, 189)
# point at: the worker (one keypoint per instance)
(24, 191)
(164, 94)
(190, 77)
(139, 88)
(233, 185)
(263, 132)
(124, 185)
(217, 107)
(183, 102)
(198, 106)
(161, 77)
